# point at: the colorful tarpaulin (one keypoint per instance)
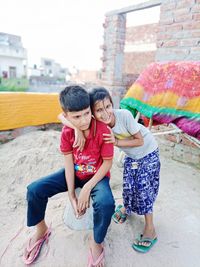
(168, 92)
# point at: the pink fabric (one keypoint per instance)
(191, 127)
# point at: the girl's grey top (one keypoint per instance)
(125, 126)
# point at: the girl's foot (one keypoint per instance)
(120, 214)
(143, 245)
(147, 234)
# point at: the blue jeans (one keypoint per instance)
(40, 190)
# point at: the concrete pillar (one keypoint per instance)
(113, 55)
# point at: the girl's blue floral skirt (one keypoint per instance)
(141, 183)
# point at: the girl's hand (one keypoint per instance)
(79, 140)
(84, 200)
(109, 138)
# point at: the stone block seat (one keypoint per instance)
(83, 223)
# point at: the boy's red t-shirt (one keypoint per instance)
(87, 162)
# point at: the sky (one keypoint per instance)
(68, 31)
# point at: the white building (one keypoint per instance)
(34, 71)
(48, 69)
(53, 69)
(13, 56)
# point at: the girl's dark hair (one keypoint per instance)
(98, 94)
(74, 98)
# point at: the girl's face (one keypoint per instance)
(103, 111)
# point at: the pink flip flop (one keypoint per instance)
(37, 246)
(100, 259)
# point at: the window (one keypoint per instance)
(47, 63)
(12, 72)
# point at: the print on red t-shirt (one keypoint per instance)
(87, 162)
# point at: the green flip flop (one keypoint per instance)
(118, 212)
(144, 249)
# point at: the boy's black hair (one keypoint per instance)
(98, 94)
(74, 98)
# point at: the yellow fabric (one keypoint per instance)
(28, 109)
(167, 99)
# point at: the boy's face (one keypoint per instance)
(80, 119)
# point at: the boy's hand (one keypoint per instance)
(109, 138)
(74, 203)
(84, 199)
(79, 140)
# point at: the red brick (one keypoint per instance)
(196, 8)
(171, 137)
(187, 142)
(196, 17)
(174, 28)
(195, 50)
(195, 33)
(135, 62)
(167, 21)
(174, 51)
(171, 43)
(183, 140)
(190, 25)
(142, 32)
(181, 18)
(167, 7)
(163, 36)
(184, 3)
(181, 11)
(189, 42)
(182, 34)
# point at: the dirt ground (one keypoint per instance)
(176, 212)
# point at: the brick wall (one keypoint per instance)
(178, 38)
(136, 62)
(129, 79)
(142, 34)
(86, 76)
(179, 31)
(183, 152)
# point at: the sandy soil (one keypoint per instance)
(177, 212)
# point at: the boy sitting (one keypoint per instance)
(88, 169)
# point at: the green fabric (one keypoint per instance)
(136, 105)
